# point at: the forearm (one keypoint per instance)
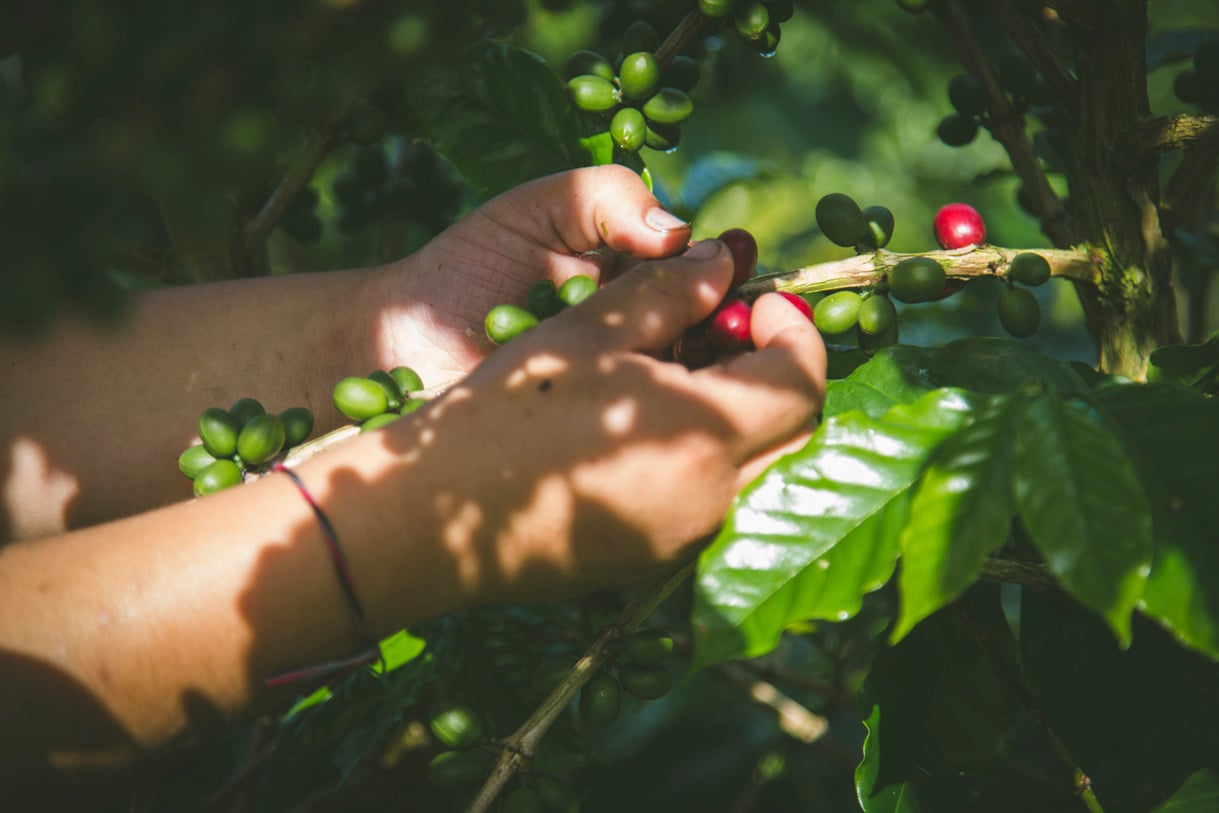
(94, 418)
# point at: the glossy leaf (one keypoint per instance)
(1199, 794)
(899, 797)
(501, 115)
(1084, 508)
(845, 489)
(1173, 431)
(961, 512)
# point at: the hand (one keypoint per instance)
(578, 222)
(572, 459)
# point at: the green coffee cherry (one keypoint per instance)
(218, 430)
(377, 421)
(663, 137)
(752, 21)
(506, 322)
(838, 312)
(1019, 312)
(716, 8)
(876, 314)
(880, 228)
(600, 701)
(576, 290)
(668, 106)
(245, 408)
(957, 130)
(780, 10)
(543, 298)
(452, 770)
(393, 396)
(645, 682)
(840, 220)
(870, 343)
(218, 476)
(683, 73)
(410, 405)
(261, 439)
(194, 460)
(639, 75)
(640, 36)
(628, 129)
(408, 380)
(360, 398)
(592, 93)
(649, 646)
(589, 63)
(298, 425)
(522, 800)
(1029, 269)
(917, 279)
(456, 725)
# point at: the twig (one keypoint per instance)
(678, 37)
(1154, 136)
(1025, 574)
(1029, 40)
(866, 270)
(1009, 672)
(293, 182)
(518, 749)
(1007, 126)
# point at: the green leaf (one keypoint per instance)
(899, 797)
(1173, 432)
(501, 115)
(962, 511)
(1194, 365)
(818, 530)
(1199, 794)
(397, 650)
(948, 713)
(1084, 508)
(902, 374)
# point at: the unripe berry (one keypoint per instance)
(728, 330)
(744, 250)
(958, 225)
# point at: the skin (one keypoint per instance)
(571, 459)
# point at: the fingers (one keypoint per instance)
(775, 391)
(648, 308)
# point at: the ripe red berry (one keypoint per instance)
(728, 329)
(958, 225)
(800, 302)
(744, 250)
(692, 349)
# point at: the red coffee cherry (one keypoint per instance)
(744, 250)
(728, 329)
(958, 225)
(800, 302)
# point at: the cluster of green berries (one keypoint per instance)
(505, 322)
(644, 104)
(244, 437)
(1200, 84)
(378, 398)
(870, 317)
(757, 22)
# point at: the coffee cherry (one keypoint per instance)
(716, 8)
(576, 290)
(261, 439)
(780, 10)
(1029, 269)
(693, 349)
(744, 250)
(408, 380)
(410, 405)
(452, 770)
(683, 73)
(639, 75)
(218, 430)
(871, 343)
(838, 312)
(543, 299)
(840, 220)
(728, 329)
(298, 425)
(958, 225)
(390, 386)
(800, 302)
(880, 228)
(1188, 87)
(966, 95)
(506, 322)
(592, 93)
(1019, 312)
(650, 646)
(645, 682)
(663, 137)
(917, 279)
(589, 63)
(600, 701)
(640, 36)
(951, 287)
(628, 129)
(216, 477)
(359, 398)
(243, 409)
(194, 460)
(751, 21)
(957, 130)
(456, 725)
(668, 106)
(876, 314)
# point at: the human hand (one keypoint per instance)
(580, 222)
(573, 459)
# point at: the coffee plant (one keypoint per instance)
(991, 579)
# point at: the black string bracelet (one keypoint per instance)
(341, 569)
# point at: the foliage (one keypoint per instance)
(991, 576)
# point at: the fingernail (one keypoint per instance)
(662, 220)
(703, 250)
